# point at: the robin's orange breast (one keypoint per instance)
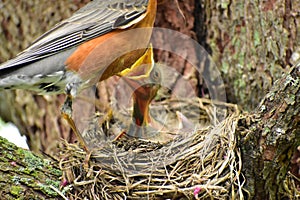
(113, 52)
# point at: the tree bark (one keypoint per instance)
(24, 175)
(253, 43)
(268, 143)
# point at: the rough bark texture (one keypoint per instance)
(24, 175)
(253, 43)
(177, 17)
(272, 137)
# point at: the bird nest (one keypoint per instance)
(202, 163)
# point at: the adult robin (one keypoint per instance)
(98, 41)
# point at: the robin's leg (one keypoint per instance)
(66, 112)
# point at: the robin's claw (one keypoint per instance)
(66, 112)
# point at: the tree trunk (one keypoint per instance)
(269, 142)
(253, 43)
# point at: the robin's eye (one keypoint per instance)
(155, 75)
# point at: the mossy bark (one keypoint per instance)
(271, 138)
(253, 43)
(24, 175)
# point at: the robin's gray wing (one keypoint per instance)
(93, 20)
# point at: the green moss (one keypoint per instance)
(240, 83)
(10, 156)
(54, 171)
(47, 190)
(20, 151)
(30, 171)
(225, 4)
(53, 183)
(225, 67)
(16, 190)
(16, 180)
(32, 161)
(290, 99)
(256, 38)
(27, 181)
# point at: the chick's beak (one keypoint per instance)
(142, 98)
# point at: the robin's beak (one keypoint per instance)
(144, 78)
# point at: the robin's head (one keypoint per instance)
(144, 76)
(146, 87)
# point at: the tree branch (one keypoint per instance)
(25, 175)
(269, 142)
